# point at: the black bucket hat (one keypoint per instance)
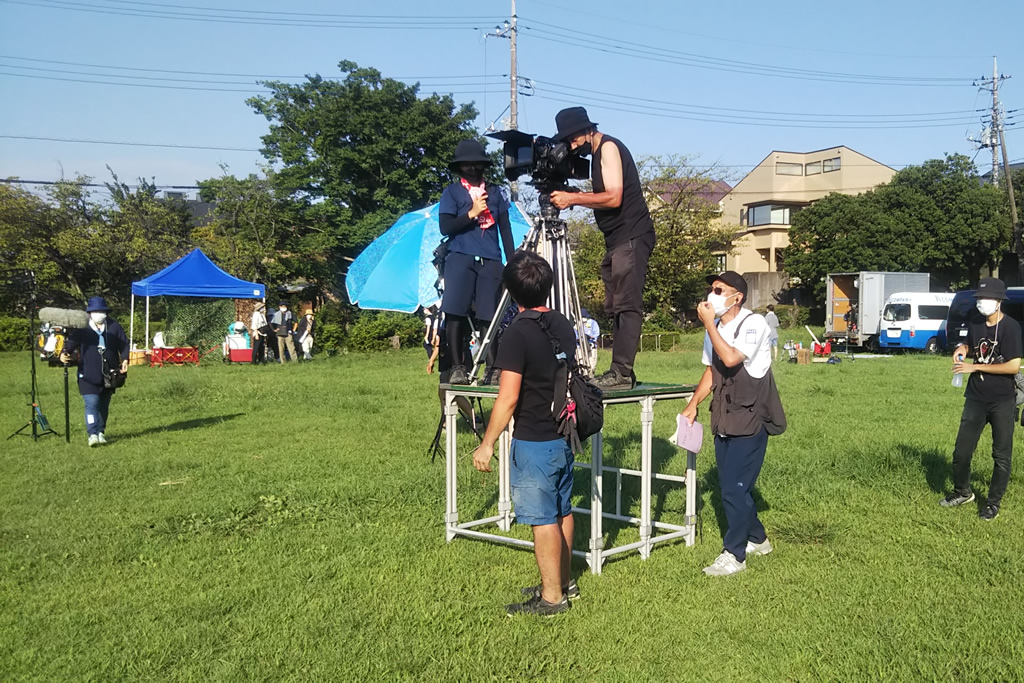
(469, 151)
(571, 121)
(991, 288)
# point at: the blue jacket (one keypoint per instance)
(90, 364)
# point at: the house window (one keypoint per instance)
(813, 168)
(833, 164)
(768, 215)
(785, 168)
(720, 258)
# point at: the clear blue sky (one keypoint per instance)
(726, 82)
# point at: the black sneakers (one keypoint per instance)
(458, 376)
(538, 606)
(572, 591)
(956, 499)
(989, 512)
(612, 380)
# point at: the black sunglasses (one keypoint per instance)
(719, 291)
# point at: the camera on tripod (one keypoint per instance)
(550, 164)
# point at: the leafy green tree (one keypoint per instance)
(357, 153)
(689, 239)
(936, 218)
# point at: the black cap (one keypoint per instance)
(570, 122)
(991, 288)
(469, 151)
(731, 278)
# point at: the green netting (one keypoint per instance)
(198, 322)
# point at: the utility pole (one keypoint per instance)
(511, 31)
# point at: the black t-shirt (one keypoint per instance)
(631, 219)
(525, 349)
(992, 344)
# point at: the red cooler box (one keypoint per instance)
(240, 355)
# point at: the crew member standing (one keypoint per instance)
(994, 341)
(260, 329)
(620, 211)
(103, 351)
(745, 410)
(472, 214)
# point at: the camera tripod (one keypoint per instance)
(25, 280)
(549, 239)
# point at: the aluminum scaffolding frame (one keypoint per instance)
(646, 395)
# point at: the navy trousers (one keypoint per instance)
(739, 460)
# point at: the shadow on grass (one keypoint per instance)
(183, 425)
(661, 452)
(934, 463)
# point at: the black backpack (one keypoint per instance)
(578, 410)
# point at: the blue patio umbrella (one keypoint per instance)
(396, 272)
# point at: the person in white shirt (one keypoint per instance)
(259, 328)
(773, 326)
(744, 411)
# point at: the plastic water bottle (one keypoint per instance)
(958, 377)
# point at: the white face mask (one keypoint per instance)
(718, 304)
(98, 317)
(987, 306)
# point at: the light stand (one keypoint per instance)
(36, 420)
(548, 238)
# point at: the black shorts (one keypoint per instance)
(624, 271)
(472, 286)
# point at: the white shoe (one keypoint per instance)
(759, 548)
(101, 438)
(724, 565)
(94, 440)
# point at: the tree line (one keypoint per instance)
(347, 157)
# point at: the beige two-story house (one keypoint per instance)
(763, 203)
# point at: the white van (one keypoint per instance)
(915, 320)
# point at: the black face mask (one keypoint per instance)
(584, 150)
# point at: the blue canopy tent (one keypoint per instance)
(192, 275)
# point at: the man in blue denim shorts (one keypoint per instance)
(541, 460)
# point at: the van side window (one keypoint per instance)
(896, 313)
(1014, 310)
(933, 312)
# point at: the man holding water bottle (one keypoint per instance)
(994, 342)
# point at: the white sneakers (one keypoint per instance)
(762, 548)
(726, 564)
(94, 439)
(103, 439)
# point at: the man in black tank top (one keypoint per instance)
(622, 217)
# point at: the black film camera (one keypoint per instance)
(550, 164)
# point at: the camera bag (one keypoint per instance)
(577, 406)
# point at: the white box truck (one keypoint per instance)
(854, 303)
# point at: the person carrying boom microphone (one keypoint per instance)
(103, 356)
(620, 211)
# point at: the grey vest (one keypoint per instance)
(741, 404)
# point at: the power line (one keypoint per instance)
(127, 144)
(746, 41)
(19, 181)
(683, 59)
(428, 23)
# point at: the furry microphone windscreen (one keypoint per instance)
(64, 317)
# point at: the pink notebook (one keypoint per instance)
(688, 436)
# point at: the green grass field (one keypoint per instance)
(269, 523)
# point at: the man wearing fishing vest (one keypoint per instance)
(745, 410)
(620, 211)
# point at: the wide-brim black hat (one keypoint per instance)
(731, 278)
(571, 121)
(467, 152)
(991, 288)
